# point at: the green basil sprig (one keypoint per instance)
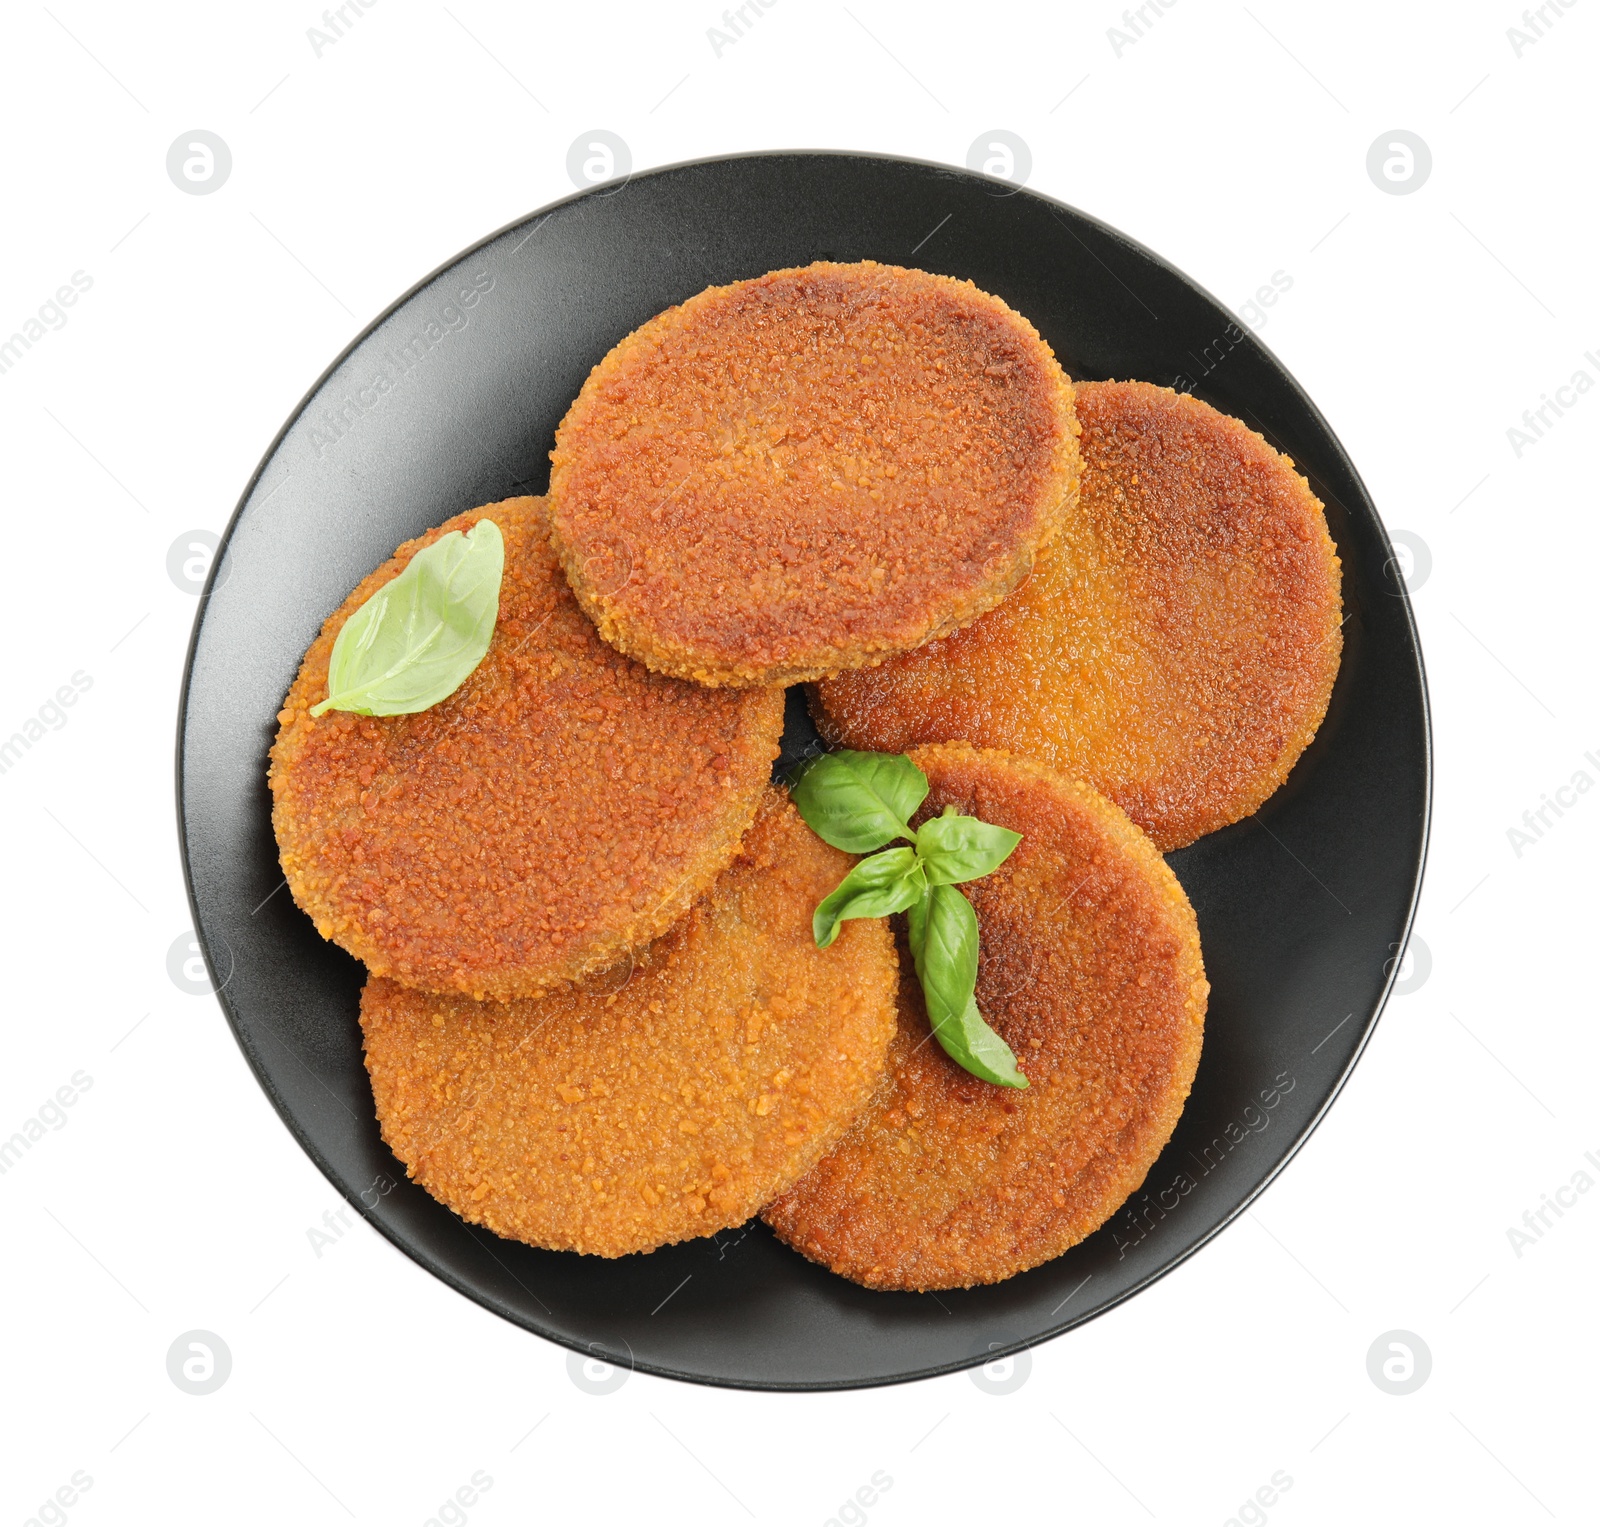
(419, 638)
(861, 802)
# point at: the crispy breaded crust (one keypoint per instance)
(559, 809)
(1091, 972)
(811, 471)
(1175, 647)
(647, 1107)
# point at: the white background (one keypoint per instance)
(1231, 140)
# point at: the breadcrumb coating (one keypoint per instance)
(809, 472)
(562, 807)
(1175, 647)
(658, 1103)
(1090, 970)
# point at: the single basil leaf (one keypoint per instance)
(956, 848)
(860, 801)
(885, 883)
(917, 926)
(418, 638)
(949, 963)
(975, 1047)
(948, 968)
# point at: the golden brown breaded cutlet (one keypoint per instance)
(1090, 970)
(1176, 645)
(651, 1105)
(562, 807)
(810, 472)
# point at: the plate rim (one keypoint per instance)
(488, 1302)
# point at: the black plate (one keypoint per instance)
(1302, 910)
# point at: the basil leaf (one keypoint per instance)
(948, 968)
(418, 638)
(948, 965)
(975, 1047)
(955, 848)
(885, 883)
(917, 927)
(860, 801)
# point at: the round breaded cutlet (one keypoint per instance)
(1176, 646)
(811, 471)
(651, 1105)
(562, 807)
(1090, 970)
